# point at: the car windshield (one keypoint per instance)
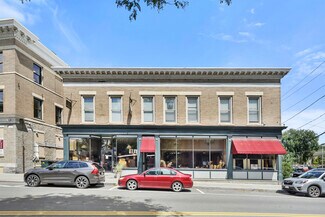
(311, 175)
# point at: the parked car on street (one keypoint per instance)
(78, 173)
(297, 171)
(163, 178)
(311, 183)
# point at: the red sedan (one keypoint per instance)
(165, 178)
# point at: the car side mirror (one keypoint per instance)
(50, 168)
(144, 174)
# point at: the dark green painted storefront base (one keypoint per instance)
(224, 132)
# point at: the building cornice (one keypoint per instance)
(12, 29)
(111, 74)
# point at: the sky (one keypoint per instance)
(250, 33)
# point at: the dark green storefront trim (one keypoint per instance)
(227, 132)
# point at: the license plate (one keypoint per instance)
(286, 187)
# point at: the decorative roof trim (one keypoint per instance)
(174, 71)
(10, 28)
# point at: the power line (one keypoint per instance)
(304, 98)
(305, 108)
(303, 85)
(304, 78)
(320, 134)
(312, 120)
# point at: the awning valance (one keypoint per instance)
(148, 144)
(257, 146)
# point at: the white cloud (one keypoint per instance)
(252, 11)
(246, 34)
(227, 37)
(67, 29)
(21, 12)
(256, 24)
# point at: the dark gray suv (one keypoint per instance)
(78, 173)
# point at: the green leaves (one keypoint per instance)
(134, 5)
(302, 144)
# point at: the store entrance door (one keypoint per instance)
(148, 160)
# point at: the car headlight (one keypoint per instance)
(301, 182)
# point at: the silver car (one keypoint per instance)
(311, 183)
(78, 173)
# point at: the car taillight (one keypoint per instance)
(95, 170)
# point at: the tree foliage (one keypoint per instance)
(302, 144)
(134, 6)
(287, 166)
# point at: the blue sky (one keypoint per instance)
(250, 33)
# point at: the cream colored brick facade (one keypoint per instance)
(19, 89)
(208, 104)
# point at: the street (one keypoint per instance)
(16, 199)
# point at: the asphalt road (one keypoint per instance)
(16, 199)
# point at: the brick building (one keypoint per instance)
(209, 122)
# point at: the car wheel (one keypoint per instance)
(313, 191)
(82, 182)
(132, 185)
(177, 186)
(33, 180)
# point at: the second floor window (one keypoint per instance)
(254, 109)
(1, 61)
(225, 109)
(1, 101)
(148, 109)
(58, 115)
(192, 109)
(38, 108)
(116, 109)
(170, 109)
(37, 70)
(88, 109)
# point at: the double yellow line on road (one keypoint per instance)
(150, 213)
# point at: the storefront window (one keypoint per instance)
(201, 153)
(79, 149)
(184, 152)
(254, 162)
(168, 152)
(127, 151)
(218, 154)
(239, 161)
(268, 162)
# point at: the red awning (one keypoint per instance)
(257, 146)
(148, 144)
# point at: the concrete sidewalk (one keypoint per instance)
(245, 185)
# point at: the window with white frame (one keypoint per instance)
(38, 108)
(116, 109)
(148, 109)
(170, 109)
(225, 109)
(88, 109)
(58, 115)
(193, 109)
(37, 70)
(254, 109)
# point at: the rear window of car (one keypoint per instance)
(71, 165)
(83, 165)
(312, 175)
(167, 172)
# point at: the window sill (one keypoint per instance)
(40, 120)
